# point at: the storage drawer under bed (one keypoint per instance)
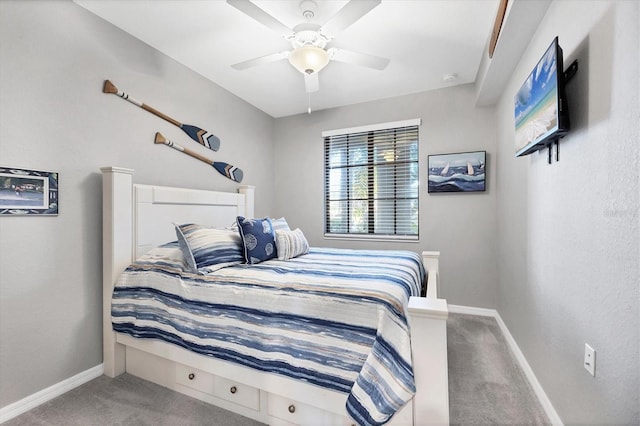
(219, 387)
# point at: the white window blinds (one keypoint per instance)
(371, 182)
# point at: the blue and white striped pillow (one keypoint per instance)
(207, 249)
(291, 244)
(280, 224)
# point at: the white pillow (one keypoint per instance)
(290, 244)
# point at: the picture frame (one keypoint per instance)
(457, 172)
(28, 192)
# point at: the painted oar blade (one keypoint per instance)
(201, 136)
(229, 171)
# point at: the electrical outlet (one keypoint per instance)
(590, 359)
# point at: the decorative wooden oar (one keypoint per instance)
(199, 135)
(224, 169)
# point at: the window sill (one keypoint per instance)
(356, 237)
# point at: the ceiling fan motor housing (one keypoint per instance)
(308, 34)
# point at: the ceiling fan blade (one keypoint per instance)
(361, 59)
(349, 14)
(311, 82)
(261, 60)
(253, 11)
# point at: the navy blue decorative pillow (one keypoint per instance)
(258, 239)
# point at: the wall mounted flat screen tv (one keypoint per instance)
(541, 115)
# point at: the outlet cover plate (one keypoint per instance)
(590, 359)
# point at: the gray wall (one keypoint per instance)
(461, 226)
(554, 248)
(568, 232)
(54, 117)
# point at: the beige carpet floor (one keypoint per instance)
(486, 387)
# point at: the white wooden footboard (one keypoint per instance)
(428, 319)
(139, 217)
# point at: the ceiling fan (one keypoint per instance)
(309, 40)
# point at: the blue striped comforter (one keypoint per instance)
(335, 318)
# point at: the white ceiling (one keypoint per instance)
(424, 40)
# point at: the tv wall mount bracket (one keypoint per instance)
(569, 73)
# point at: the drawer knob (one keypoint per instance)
(292, 408)
(191, 376)
(233, 389)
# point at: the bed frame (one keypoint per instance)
(137, 218)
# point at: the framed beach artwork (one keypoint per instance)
(459, 172)
(28, 192)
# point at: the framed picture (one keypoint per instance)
(459, 172)
(28, 192)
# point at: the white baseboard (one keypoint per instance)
(53, 391)
(554, 418)
(470, 310)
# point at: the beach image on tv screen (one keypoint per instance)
(536, 102)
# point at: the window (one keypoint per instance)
(371, 181)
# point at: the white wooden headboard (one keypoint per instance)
(137, 218)
(143, 215)
(156, 208)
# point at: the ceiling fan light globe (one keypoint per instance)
(309, 59)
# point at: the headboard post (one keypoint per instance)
(248, 192)
(117, 252)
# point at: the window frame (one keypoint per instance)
(369, 236)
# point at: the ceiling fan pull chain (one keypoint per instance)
(309, 107)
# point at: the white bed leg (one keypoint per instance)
(117, 228)
(428, 319)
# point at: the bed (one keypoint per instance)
(137, 224)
